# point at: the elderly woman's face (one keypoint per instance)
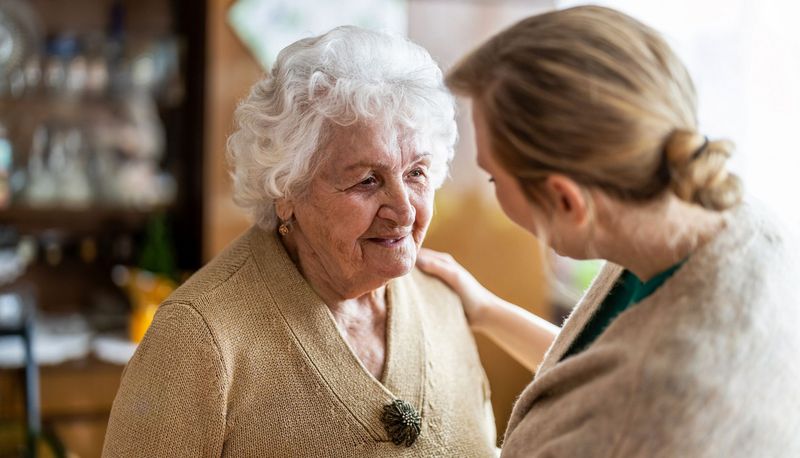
(366, 212)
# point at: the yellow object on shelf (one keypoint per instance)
(146, 292)
(141, 317)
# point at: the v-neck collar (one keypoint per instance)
(317, 335)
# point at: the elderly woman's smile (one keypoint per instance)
(387, 242)
(364, 215)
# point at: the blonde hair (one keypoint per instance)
(598, 96)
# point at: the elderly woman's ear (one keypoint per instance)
(284, 209)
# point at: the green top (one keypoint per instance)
(626, 292)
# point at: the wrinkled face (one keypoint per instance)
(507, 189)
(365, 213)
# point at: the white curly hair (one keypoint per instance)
(346, 76)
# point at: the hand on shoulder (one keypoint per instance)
(474, 296)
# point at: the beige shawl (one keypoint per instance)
(707, 366)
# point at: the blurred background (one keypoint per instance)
(114, 189)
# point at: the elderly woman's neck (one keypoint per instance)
(337, 293)
(358, 308)
(343, 297)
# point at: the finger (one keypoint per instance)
(429, 251)
(447, 257)
(426, 261)
(425, 256)
(439, 268)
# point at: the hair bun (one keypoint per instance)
(698, 170)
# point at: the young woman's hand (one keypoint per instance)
(474, 297)
(522, 334)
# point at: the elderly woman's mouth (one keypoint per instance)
(388, 242)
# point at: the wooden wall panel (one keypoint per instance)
(231, 70)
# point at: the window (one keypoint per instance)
(744, 57)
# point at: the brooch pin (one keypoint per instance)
(402, 422)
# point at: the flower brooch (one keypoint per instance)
(402, 422)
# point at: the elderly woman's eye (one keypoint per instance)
(416, 173)
(369, 181)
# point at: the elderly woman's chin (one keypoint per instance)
(390, 258)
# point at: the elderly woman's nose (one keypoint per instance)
(398, 207)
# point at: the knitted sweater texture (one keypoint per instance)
(246, 360)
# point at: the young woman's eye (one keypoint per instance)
(491, 180)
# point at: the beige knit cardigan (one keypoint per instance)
(707, 366)
(246, 360)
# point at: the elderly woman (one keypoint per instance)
(312, 335)
(686, 344)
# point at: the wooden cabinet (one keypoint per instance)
(76, 396)
(76, 399)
